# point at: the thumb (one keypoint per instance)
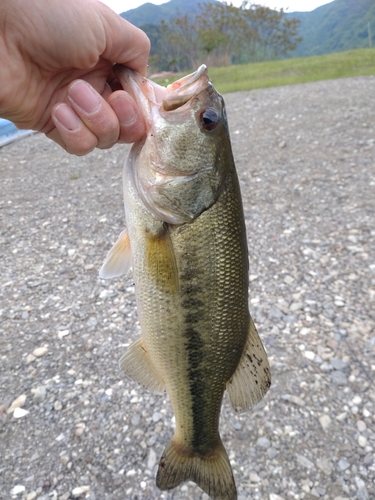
(125, 43)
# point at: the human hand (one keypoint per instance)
(57, 78)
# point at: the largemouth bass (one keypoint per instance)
(186, 242)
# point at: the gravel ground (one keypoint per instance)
(306, 159)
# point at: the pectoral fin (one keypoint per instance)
(118, 260)
(137, 365)
(252, 378)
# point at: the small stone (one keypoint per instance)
(362, 441)
(361, 425)
(296, 306)
(325, 421)
(31, 496)
(79, 431)
(272, 453)
(339, 378)
(273, 496)
(19, 413)
(339, 364)
(156, 417)
(305, 462)
(293, 399)
(343, 464)
(40, 351)
(131, 473)
(309, 355)
(356, 401)
(135, 420)
(63, 333)
(17, 403)
(324, 465)
(288, 280)
(30, 358)
(263, 442)
(80, 490)
(326, 367)
(64, 459)
(57, 405)
(254, 478)
(18, 489)
(152, 458)
(40, 394)
(305, 331)
(282, 144)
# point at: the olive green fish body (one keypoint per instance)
(187, 238)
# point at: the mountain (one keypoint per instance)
(335, 27)
(149, 13)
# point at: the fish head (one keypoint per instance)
(180, 165)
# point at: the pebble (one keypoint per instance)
(30, 358)
(362, 441)
(254, 478)
(361, 425)
(339, 364)
(57, 405)
(324, 465)
(339, 378)
(325, 421)
(17, 403)
(263, 442)
(305, 462)
(309, 355)
(32, 495)
(156, 417)
(296, 306)
(273, 496)
(40, 351)
(152, 459)
(20, 412)
(80, 490)
(343, 464)
(17, 490)
(63, 333)
(40, 394)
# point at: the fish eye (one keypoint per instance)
(209, 119)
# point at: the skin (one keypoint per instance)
(56, 59)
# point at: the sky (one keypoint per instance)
(288, 5)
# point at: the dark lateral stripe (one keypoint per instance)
(195, 345)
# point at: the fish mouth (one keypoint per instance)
(184, 89)
(148, 94)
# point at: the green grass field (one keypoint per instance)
(289, 71)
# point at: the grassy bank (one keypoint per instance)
(289, 71)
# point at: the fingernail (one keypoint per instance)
(124, 110)
(84, 96)
(66, 117)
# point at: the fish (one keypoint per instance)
(185, 240)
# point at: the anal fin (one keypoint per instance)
(118, 259)
(252, 378)
(137, 365)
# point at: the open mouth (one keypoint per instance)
(182, 90)
(174, 96)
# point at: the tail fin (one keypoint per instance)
(211, 472)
